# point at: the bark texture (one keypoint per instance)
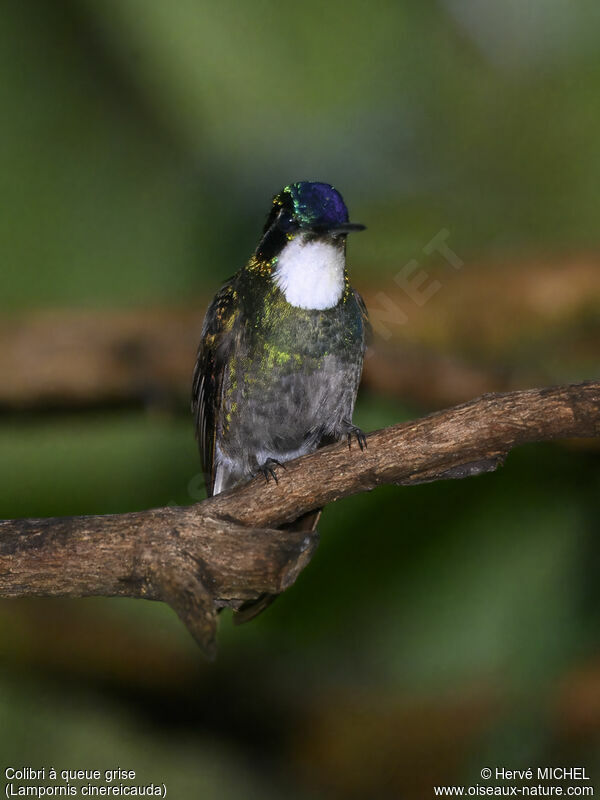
(227, 550)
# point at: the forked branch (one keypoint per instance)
(226, 550)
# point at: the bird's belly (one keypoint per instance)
(283, 414)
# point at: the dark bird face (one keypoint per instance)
(310, 210)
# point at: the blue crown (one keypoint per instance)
(317, 203)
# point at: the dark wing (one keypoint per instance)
(368, 330)
(215, 346)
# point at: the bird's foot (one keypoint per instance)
(268, 469)
(351, 430)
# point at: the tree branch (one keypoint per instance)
(226, 550)
(455, 343)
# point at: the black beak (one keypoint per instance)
(337, 230)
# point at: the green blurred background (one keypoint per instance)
(439, 629)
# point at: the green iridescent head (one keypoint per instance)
(315, 209)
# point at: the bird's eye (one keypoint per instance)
(287, 223)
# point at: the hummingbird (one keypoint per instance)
(282, 347)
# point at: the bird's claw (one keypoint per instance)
(268, 469)
(360, 437)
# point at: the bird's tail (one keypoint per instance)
(252, 608)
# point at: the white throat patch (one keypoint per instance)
(311, 273)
